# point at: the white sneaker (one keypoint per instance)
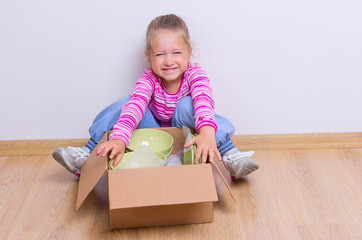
(239, 164)
(72, 158)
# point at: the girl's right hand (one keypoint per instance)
(115, 146)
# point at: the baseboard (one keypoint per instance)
(36, 147)
(298, 141)
(243, 142)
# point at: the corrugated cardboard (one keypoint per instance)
(155, 196)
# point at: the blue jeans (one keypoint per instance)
(183, 116)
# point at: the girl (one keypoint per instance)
(172, 92)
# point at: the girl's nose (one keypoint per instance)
(168, 60)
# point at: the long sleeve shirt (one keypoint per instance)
(150, 92)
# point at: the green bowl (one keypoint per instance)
(123, 163)
(189, 156)
(157, 140)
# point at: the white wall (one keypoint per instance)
(276, 66)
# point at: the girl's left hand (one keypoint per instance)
(206, 144)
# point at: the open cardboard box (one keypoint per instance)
(154, 196)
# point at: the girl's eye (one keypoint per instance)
(159, 54)
(177, 53)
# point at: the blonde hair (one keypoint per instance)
(167, 22)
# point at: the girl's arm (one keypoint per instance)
(131, 115)
(202, 100)
(134, 110)
(205, 122)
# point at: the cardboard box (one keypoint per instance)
(154, 196)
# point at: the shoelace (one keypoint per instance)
(79, 152)
(238, 155)
(81, 155)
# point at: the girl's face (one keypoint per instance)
(169, 56)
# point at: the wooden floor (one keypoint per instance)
(296, 194)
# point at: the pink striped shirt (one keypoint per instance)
(150, 92)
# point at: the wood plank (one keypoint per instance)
(244, 142)
(37, 147)
(296, 194)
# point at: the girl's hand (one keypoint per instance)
(206, 144)
(115, 146)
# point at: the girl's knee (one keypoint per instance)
(185, 105)
(123, 100)
(184, 113)
(225, 126)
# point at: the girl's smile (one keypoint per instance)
(169, 69)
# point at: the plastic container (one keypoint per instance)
(141, 158)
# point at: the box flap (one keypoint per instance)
(161, 186)
(92, 170)
(223, 179)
